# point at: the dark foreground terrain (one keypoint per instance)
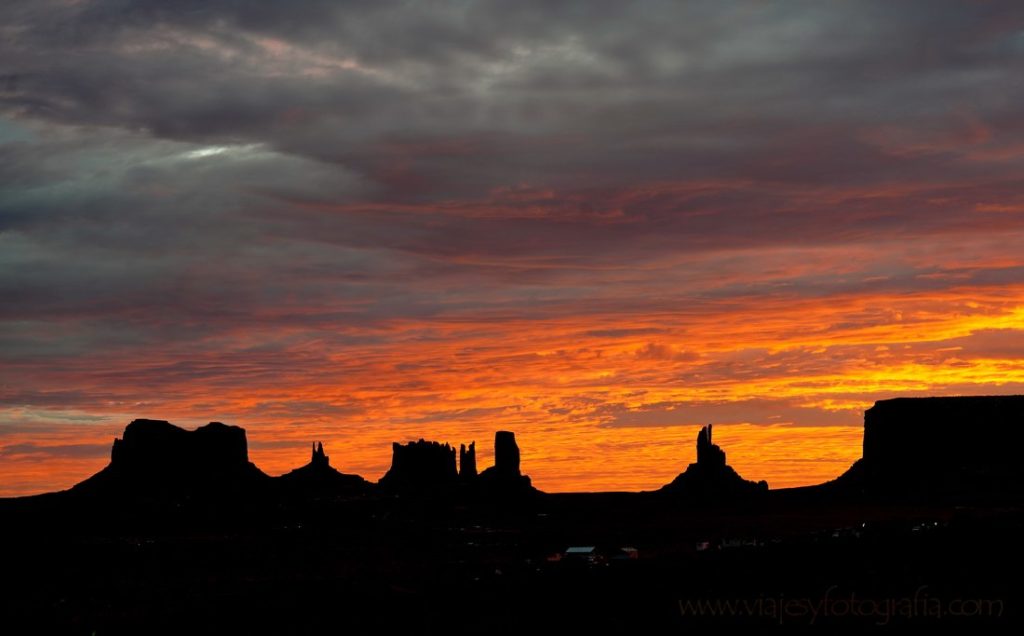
(373, 564)
(181, 534)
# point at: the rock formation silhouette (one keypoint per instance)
(467, 462)
(506, 452)
(319, 458)
(708, 454)
(157, 458)
(319, 477)
(711, 480)
(504, 478)
(281, 562)
(915, 449)
(421, 466)
(940, 447)
(425, 467)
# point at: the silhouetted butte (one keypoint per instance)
(158, 459)
(318, 476)
(940, 447)
(426, 467)
(711, 480)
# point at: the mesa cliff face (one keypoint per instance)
(908, 433)
(711, 480)
(940, 447)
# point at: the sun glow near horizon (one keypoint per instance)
(618, 410)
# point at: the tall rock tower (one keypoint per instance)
(467, 461)
(506, 453)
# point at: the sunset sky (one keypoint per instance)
(597, 224)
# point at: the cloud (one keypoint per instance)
(56, 451)
(753, 411)
(569, 219)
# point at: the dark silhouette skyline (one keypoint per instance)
(181, 532)
(913, 448)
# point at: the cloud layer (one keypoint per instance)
(599, 224)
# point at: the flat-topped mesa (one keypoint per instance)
(941, 447)
(943, 431)
(421, 466)
(152, 444)
(710, 480)
(155, 456)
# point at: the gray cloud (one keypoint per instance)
(197, 176)
(54, 450)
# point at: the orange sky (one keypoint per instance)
(599, 226)
(597, 402)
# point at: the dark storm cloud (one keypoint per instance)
(432, 100)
